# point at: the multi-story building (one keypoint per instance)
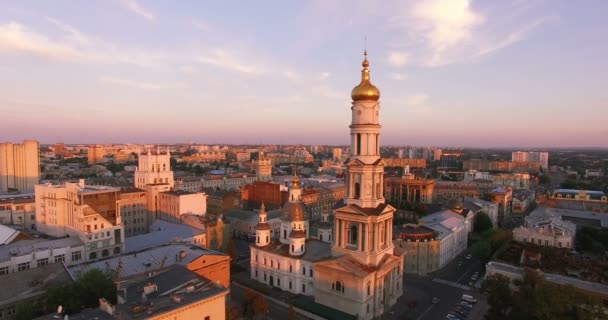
(584, 200)
(520, 156)
(262, 167)
(449, 160)
(270, 193)
(540, 157)
(408, 188)
(133, 211)
(337, 154)
(412, 163)
(362, 273)
(515, 180)
(19, 166)
(487, 207)
(208, 156)
(153, 168)
(503, 196)
(89, 213)
(221, 201)
(445, 190)
(522, 199)
(551, 232)
(234, 182)
(452, 226)
(322, 199)
(173, 204)
(243, 223)
(24, 255)
(18, 210)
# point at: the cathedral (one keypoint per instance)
(353, 266)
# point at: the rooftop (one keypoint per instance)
(315, 250)
(7, 234)
(95, 314)
(28, 246)
(174, 288)
(17, 286)
(161, 232)
(252, 216)
(145, 260)
(17, 199)
(579, 217)
(179, 192)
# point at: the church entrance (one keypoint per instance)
(271, 281)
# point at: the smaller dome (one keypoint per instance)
(297, 234)
(263, 226)
(454, 205)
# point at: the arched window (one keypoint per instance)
(302, 247)
(284, 234)
(358, 144)
(357, 190)
(267, 239)
(382, 231)
(369, 288)
(290, 268)
(258, 239)
(338, 286)
(292, 248)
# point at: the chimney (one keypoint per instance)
(106, 307)
(150, 288)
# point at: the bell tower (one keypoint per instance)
(363, 228)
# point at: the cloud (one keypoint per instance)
(74, 46)
(17, 38)
(226, 60)
(324, 75)
(135, 7)
(198, 24)
(512, 37)
(398, 76)
(138, 84)
(397, 59)
(291, 75)
(416, 99)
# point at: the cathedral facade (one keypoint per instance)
(356, 269)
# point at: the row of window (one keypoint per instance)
(310, 271)
(279, 282)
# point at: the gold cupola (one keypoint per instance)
(365, 90)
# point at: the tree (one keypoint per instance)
(95, 284)
(482, 249)
(500, 297)
(482, 222)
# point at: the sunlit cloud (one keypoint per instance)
(138, 84)
(397, 59)
(416, 99)
(512, 37)
(226, 60)
(324, 75)
(138, 9)
(398, 76)
(291, 75)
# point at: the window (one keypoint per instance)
(289, 284)
(23, 266)
(271, 263)
(358, 147)
(264, 261)
(207, 317)
(357, 190)
(60, 258)
(256, 273)
(279, 282)
(264, 276)
(278, 265)
(304, 270)
(352, 235)
(369, 291)
(3, 271)
(338, 286)
(303, 288)
(43, 262)
(368, 308)
(290, 268)
(310, 272)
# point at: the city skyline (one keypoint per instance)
(462, 73)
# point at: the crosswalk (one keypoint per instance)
(452, 283)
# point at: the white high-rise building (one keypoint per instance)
(154, 168)
(520, 156)
(19, 166)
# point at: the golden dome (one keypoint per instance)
(365, 90)
(454, 205)
(295, 183)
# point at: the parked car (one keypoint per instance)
(435, 300)
(469, 256)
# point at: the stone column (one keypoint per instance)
(360, 236)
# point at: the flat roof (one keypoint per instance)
(17, 286)
(161, 232)
(24, 247)
(600, 219)
(172, 293)
(145, 260)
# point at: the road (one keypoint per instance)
(447, 284)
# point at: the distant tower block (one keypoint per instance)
(263, 168)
